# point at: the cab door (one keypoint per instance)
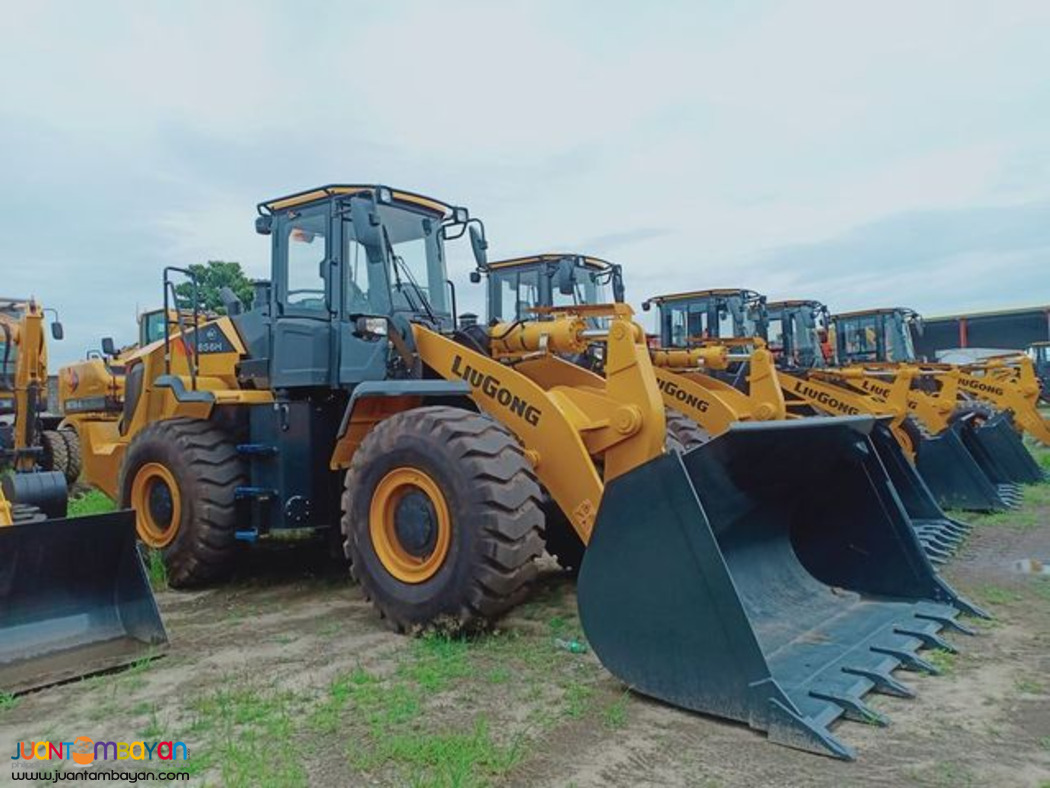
(306, 297)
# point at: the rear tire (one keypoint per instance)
(56, 455)
(181, 476)
(441, 519)
(74, 459)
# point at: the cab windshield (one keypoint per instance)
(876, 337)
(725, 317)
(592, 286)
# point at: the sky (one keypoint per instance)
(860, 153)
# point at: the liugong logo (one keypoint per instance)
(84, 751)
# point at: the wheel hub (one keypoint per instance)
(161, 505)
(415, 523)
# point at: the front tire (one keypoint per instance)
(441, 519)
(181, 477)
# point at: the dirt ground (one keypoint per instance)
(287, 677)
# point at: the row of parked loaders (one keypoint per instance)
(755, 530)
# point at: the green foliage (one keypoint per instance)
(91, 502)
(211, 278)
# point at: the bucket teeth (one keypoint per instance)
(929, 639)
(954, 623)
(853, 708)
(909, 660)
(884, 682)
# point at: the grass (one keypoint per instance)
(615, 714)
(943, 660)
(91, 502)
(8, 701)
(997, 595)
(156, 570)
(1028, 687)
(1045, 743)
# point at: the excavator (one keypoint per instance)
(699, 403)
(74, 598)
(724, 579)
(30, 439)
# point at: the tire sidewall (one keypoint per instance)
(431, 599)
(163, 451)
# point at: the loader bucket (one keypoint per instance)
(770, 576)
(939, 534)
(954, 476)
(1000, 448)
(74, 600)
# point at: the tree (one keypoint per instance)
(211, 278)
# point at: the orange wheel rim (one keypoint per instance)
(410, 525)
(157, 503)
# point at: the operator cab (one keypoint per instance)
(797, 333)
(685, 319)
(875, 336)
(350, 264)
(517, 286)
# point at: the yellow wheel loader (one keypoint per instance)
(699, 405)
(997, 398)
(93, 389)
(723, 579)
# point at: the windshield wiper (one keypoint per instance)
(400, 263)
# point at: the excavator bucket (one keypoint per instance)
(1000, 449)
(74, 600)
(770, 576)
(955, 477)
(939, 534)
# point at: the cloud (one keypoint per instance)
(697, 145)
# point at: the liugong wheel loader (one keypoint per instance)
(873, 344)
(724, 580)
(698, 404)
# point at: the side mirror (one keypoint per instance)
(618, 291)
(108, 347)
(566, 277)
(479, 245)
(475, 277)
(646, 305)
(264, 224)
(367, 226)
(57, 332)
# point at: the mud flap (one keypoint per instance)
(74, 600)
(1000, 449)
(939, 534)
(954, 476)
(770, 576)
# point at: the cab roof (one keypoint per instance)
(553, 257)
(718, 291)
(796, 302)
(342, 190)
(885, 310)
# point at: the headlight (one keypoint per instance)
(374, 326)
